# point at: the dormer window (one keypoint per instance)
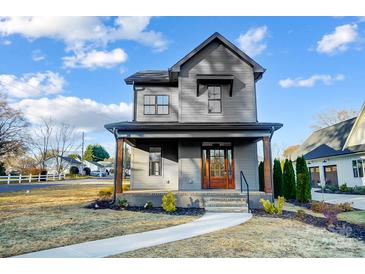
(156, 104)
(214, 98)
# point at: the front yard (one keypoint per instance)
(53, 217)
(260, 237)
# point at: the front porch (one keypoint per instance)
(196, 161)
(195, 199)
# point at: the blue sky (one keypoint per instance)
(73, 68)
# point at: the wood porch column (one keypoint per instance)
(267, 165)
(119, 166)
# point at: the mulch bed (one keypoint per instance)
(328, 191)
(106, 204)
(341, 227)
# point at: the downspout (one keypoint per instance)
(272, 177)
(115, 166)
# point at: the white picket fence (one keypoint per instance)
(32, 178)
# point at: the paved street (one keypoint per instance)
(357, 200)
(27, 186)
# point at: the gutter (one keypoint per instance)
(272, 177)
(115, 166)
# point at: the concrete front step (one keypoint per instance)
(235, 203)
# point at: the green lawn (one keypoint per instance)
(355, 217)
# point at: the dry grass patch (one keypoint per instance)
(53, 217)
(260, 237)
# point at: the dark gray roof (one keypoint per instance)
(95, 163)
(145, 126)
(328, 141)
(71, 160)
(149, 76)
(164, 76)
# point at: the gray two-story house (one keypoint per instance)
(195, 129)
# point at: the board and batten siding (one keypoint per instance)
(358, 135)
(172, 92)
(217, 59)
(140, 178)
(246, 159)
(344, 169)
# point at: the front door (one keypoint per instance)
(330, 175)
(217, 168)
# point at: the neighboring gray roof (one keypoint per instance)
(67, 159)
(145, 126)
(164, 76)
(95, 163)
(328, 141)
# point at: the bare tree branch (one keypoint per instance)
(331, 117)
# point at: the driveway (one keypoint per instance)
(26, 186)
(209, 222)
(357, 200)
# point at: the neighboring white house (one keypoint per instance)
(94, 166)
(336, 154)
(66, 162)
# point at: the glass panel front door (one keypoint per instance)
(217, 167)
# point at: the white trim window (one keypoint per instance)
(358, 168)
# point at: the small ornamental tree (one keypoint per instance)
(278, 179)
(261, 176)
(288, 189)
(303, 189)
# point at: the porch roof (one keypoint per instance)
(192, 130)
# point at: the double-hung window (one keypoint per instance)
(214, 99)
(358, 168)
(155, 161)
(156, 104)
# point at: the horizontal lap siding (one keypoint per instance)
(140, 178)
(344, 169)
(172, 92)
(216, 59)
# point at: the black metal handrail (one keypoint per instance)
(247, 188)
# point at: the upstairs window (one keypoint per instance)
(214, 99)
(358, 168)
(155, 161)
(156, 104)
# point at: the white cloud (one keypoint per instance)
(311, 81)
(74, 30)
(338, 40)
(37, 55)
(85, 114)
(5, 42)
(32, 84)
(95, 59)
(252, 42)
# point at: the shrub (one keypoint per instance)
(261, 176)
(303, 191)
(332, 188)
(105, 193)
(122, 202)
(169, 202)
(358, 190)
(126, 187)
(269, 207)
(344, 188)
(2, 169)
(330, 213)
(288, 180)
(148, 205)
(278, 179)
(345, 207)
(319, 207)
(280, 205)
(300, 214)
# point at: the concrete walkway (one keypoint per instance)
(209, 222)
(357, 200)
